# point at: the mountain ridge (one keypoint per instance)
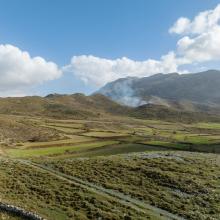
(80, 106)
(200, 88)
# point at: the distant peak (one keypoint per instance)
(53, 95)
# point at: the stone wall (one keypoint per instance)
(19, 212)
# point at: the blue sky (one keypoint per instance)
(57, 30)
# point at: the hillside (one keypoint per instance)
(63, 169)
(13, 129)
(189, 91)
(76, 106)
(79, 106)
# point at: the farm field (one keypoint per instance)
(95, 138)
(141, 169)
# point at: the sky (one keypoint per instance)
(69, 46)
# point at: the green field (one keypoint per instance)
(208, 125)
(74, 139)
(103, 134)
(50, 151)
(92, 138)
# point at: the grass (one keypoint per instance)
(8, 216)
(200, 136)
(140, 158)
(66, 125)
(144, 159)
(78, 142)
(54, 198)
(66, 130)
(183, 183)
(208, 125)
(103, 134)
(49, 151)
(210, 148)
(167, 145)
(116, 149)
(74, 139)
(192, 138)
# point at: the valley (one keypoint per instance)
(109, 110)
(85, 168)
(82, 157)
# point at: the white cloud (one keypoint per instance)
(202, 48)
(19, 71)
(199, 43)
(100, 71)
(203, 22)
(180, 26)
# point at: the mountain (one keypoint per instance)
(80, 106)
(75, 106)
(189, 91)
(186, 97)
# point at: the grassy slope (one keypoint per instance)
(55, 198)
(183, 183)
(79, 106)
(187, 186)
(15, 129)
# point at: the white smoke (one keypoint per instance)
(122, 91)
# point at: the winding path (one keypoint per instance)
(121, 198)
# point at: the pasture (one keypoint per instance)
(82, 138)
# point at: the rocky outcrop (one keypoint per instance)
(20, 212)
